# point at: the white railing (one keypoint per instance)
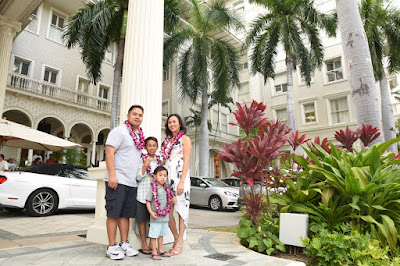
(47, 89)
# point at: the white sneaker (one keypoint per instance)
(115, 252)
(128, 249)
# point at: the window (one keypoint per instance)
(50, 75)
(166, 75)
(56, 27)
(238, 7)
(244, 66)
(334, 70)
(165, 109)
(83, 85)
(109, 55)
(104, 92)
(281, 114)
(21, 66)
(309, 113)
(244, 88)
(339, 110)
(280, 83)
(224, 122)
(33, 25)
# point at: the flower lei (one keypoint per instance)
(167, 208)
(167, 149)
(139, 141)
(148, 169)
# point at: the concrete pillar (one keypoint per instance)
(30, 156)
(93, 158)
(141, 84)
(8, 30)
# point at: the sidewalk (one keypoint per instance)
(201, 248)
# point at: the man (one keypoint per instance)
(11, 164)
(51, 159)
(3, 163)
(123, 154)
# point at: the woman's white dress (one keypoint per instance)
(174, 166)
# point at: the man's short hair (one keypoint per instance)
(2, 156)
(136, 106)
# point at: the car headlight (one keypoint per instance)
(231, 194)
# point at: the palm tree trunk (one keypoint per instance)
(195, 150)
(118, 73)
(388, 121)
(204, 144)
(117, 83)
(358, 61)
(290, 103)
(216, 131)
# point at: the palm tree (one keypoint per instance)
(202, 51)
(97, 25)
(358, 61)
(382, 26)
(194, 120)
(294, 24)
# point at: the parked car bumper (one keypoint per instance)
(13, 201)
(230, 202)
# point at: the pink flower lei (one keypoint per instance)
(167, 208)
(139, 141)
(167, 149)
(148, 169)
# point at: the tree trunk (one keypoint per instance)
(204, 144)
(118, 73)
(117, 83)
(359, 66)
(290, 103)
(216, 131)
(195, 150)
(388, 121)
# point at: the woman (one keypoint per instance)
(176, 150)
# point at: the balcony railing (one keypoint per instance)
(47, 89)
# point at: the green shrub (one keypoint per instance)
(361, 187)
(346, 247)
(264, 238)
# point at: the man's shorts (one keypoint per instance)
(142, 214)
(121, 202)
(158, 229)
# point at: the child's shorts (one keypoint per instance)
(158, 229)
(142, 214)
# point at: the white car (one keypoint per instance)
(214, 193)
(43, 188)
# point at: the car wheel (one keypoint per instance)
(42, 202)
(215, 203)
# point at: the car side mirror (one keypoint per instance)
(203, 185)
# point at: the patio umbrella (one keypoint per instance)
(17, 135)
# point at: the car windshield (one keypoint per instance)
(216, 182)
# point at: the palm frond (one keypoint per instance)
(172, 14)
(173, 43)
(257, 27)
(218, 17)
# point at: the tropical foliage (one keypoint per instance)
(200, 50)
(295, 25)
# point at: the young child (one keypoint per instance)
(158, 200)
(145, 175)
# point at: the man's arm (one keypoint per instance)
(110, 163)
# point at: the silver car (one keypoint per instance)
(214, 193)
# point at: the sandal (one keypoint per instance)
(173, 246)
(165, 254)
(177, 249)
(155, 257)
(146, 251)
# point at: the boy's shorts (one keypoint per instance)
(121, 202)
(142, 214)
(158, 229)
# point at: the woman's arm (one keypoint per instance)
(187, 148)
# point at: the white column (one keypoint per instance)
(8, 30)
(142, 79)
(93, 158)
(30, 156)
(141, 84)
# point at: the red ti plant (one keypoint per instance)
(368, 134)
(249, 117)
(295, 140)
(253, 155)
(347, 138)
(324, 144)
